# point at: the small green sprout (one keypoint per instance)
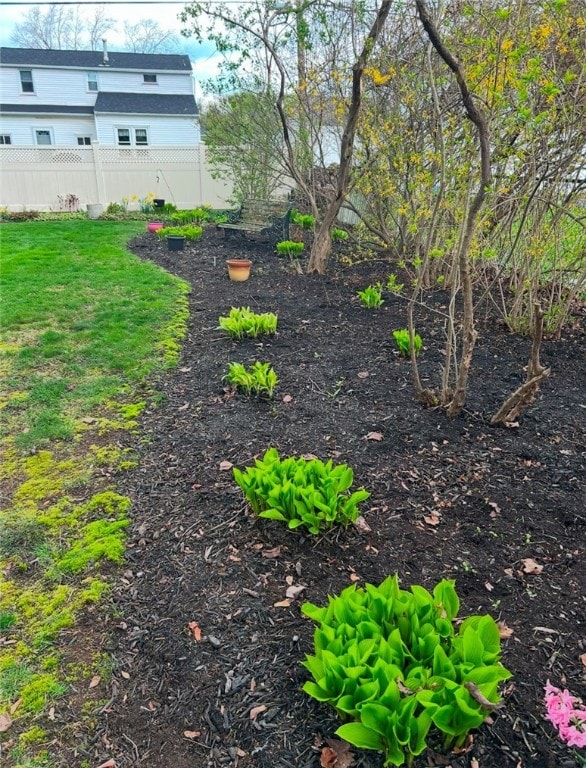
(371, 297)
(402, 341)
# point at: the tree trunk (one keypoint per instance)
(476, 116)
(322, 244)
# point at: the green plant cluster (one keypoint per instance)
(6, 215)
(290, 248)
(301, 492)
(338, 235)
(303, 220)
(372, 296)
(390, 661)
(402, 341)
(190, 232)
(259, 379)
(203, 215)
(124, 216)
(242, 321)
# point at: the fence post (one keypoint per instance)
(100, 184)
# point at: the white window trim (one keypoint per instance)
(150, 74)
(6, 135)
(84, 136)
(132, 131)
(22, 91)
(44, 128)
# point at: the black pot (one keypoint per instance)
(175, 242)
(158, 203)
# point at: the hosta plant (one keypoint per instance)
(290, 248)
(303, 220)
(259, 379)
(301, 492)
(338, 235)
(391, 662)
(189, 232)
(402, 341)
(372, 296)
(242, 321)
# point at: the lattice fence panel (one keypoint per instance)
(150, 155)
(66, 156)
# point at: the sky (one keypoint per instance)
(204, 56)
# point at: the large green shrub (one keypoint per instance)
(301, 492)
(391, 662)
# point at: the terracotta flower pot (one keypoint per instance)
(153, 226)
(239, 269)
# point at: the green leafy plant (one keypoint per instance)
(338, 235)
(392, 285)
(301, 492)
(189, 232)
(259, 379)
(372, 296)
(290, 248)
(303, 220)
(402, 341)
(242, 321)
(391, 661)
(202, 215)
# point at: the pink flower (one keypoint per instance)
(568, 718)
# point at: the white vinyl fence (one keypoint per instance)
(34, 178)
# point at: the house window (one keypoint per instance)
(152, 79)
(92, 81)
(128, 137)
(141, 138)
(26, 81)
(5, 138)
(43, 136)
(124, 137)
(84, 141)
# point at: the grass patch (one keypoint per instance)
(85, 326)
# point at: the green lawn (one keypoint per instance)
(85, 328)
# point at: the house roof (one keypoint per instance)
(145, 104)
(46, 109)
(94, 60)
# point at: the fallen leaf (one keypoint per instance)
(294, 590)
(504, 631)
(95, 681)
(362, 525)
(340, 751)
(224, 465)
(478, 696)
(125, 675)
(308, 456)
(282, 604)
(530, 566)
(354, 577)
(191, 734)
(111, 763)
(185, 370)
(432, 519)
(363, 374)
(488, 586)
(328, 758)
(269, 553)
(194, 627)
(374, 436)
(16, 705)
(508, 571)
(256, 711)
(287, 399)
(583, 659)
(183, 407)
(51, 714)
(496, 510)
(5, 722)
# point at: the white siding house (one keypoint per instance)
(75, 98)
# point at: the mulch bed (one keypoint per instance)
(450, 499)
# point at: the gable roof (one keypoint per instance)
(37, 57)
(145, 104)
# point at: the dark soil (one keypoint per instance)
(450, 499)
